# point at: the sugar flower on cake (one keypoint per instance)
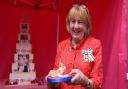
(59, 72)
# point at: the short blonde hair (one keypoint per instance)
(82, 12)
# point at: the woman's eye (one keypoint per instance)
(80, 22)
(73, 21)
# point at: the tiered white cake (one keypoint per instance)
(23, 71)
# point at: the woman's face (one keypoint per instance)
(21, 60)
(77, 29)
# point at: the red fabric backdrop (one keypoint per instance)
(107, 20)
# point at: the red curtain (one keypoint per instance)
(47, 27)
(115, 69)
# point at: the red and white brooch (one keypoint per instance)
(88, 56)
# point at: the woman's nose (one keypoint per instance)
(76, 25)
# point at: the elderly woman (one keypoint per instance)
(81, 54)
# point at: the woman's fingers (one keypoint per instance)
(75, 79)
(74, 71)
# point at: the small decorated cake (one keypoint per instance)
(58, 75)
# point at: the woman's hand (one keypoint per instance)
(80, 79)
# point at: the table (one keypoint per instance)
(3, 86)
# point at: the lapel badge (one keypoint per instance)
(88, 56)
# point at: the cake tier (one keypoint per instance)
(22, 76)
(24, 36)
(23, 47)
